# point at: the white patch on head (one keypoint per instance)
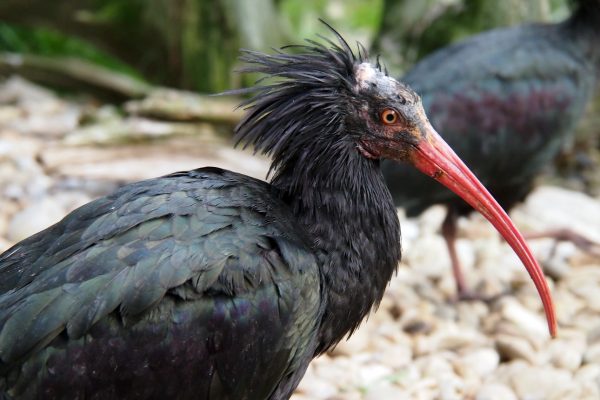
(370, 78)
(365, 73)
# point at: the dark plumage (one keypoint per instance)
(137, 287)
(208, 284)
(506, 101)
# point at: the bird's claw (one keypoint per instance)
(567, 235)
(469, 295)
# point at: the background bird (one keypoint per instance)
(506, 100)
(213, 285)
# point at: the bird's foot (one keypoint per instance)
(470, 295)
(561, 235)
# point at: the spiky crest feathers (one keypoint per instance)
(304, 102)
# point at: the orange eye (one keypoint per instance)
(389, 116)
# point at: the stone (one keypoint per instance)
(592, 354)
(396, 356)
(430, 256)
(551, 207)
(371, 373)
(593, 335)
(495, 391)
(358, 342)
(386, 391)
(433, 365)
(438, 377)
(314, 387)
(347, 395)
(567, 306)
(589, 293)
(449, 337)
(586, 320)
(131, 162)
(3, 221)
(431, 219)
(5, 244)
(343, 372)
(567, 353)
(481, 362)
(542, 383)
(471, 313)
(588, 379)
(586, 391)
(512, 348)
(588, 373)
(410, 230)
(17, 90)
(34, 218)
(418, 320)
(498, 263)
(531, 324)
(299, 396)
(557, 267)
(41, 111)
(476, 227)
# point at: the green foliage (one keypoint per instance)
(357, 19)
(47, 42)
(412, 29)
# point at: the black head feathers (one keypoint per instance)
(302, 100)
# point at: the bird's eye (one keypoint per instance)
(389, 116)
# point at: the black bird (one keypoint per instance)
(208, 284)
(506, 101)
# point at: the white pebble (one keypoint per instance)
(480, 361)
(495, 391)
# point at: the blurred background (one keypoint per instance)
(96, 93)
(193, 44)
(112, 51)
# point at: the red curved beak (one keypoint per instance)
(432, 156)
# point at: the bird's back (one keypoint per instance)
(505, 101)
(186, 286)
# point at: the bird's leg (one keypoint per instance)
(566, 234)
(449, 234)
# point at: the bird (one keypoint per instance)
(505, 100)
(209, 284)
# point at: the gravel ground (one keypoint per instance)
(420, 344)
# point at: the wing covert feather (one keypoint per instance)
(208, 248)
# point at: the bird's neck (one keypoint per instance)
(344, 204)
(584, 27)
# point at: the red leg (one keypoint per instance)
(449, 234)
(566, 234)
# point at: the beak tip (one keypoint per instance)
(550, 315)
(552, 326)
